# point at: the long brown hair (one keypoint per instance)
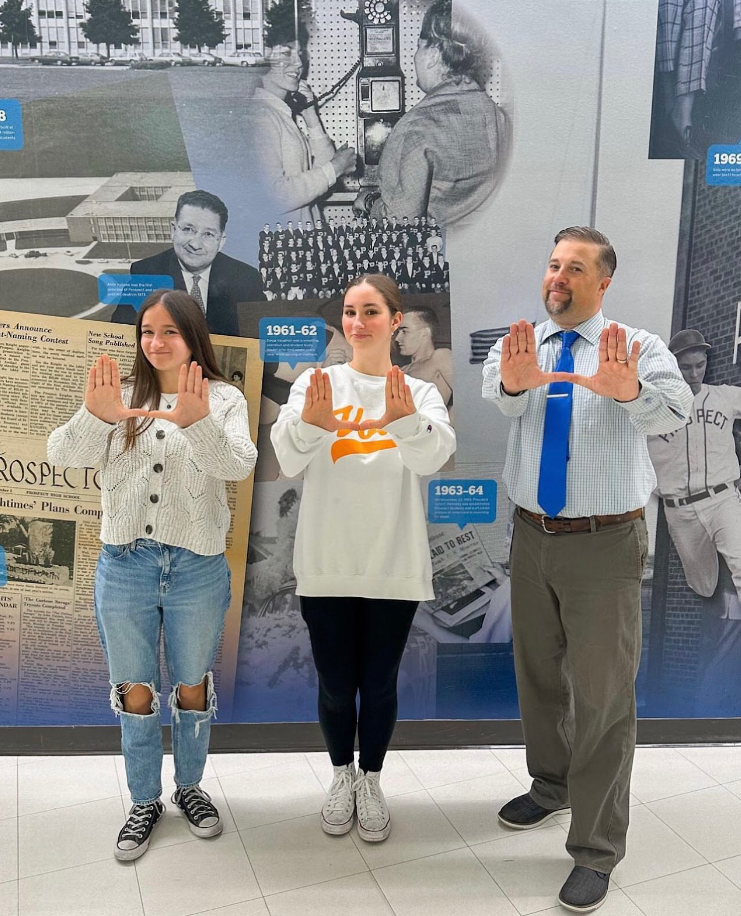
(189, 319)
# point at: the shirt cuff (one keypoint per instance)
(646, 401)
(329, 172)
(203, 432)
(90, 425)
(506, 394)
(405, 427)
(309, 433)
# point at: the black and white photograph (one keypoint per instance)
(697, 78)
(38, 551)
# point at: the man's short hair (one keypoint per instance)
(426, 315)
(607, 260)
(205, 201)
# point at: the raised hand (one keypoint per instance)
(318, 404)
(518, 367)
(399, 401)
(192, 404)
(103, 392)
(617, 372)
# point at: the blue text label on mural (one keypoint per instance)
(723, 165)
(3, 567)
(120, 289)
(11, 124)
(292, 340)
(462, 502)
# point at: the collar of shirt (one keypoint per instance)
(202, 283)
(451, 87)
(279, 104)
(590, 329)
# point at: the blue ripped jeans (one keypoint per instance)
(142, 590)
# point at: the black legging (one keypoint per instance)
(357, 645)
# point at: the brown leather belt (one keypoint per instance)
(572, 525)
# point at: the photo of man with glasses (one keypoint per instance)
(196, 263)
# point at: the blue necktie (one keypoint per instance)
(555, 451)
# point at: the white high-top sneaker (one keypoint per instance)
(338, 810)
(374, 820)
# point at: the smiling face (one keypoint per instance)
(161, 340)
(573, 285)
(197, 237)
(367, 322)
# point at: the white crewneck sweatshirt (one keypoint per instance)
(361, 529)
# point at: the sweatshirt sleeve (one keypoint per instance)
(665, 400)
(294, 441)
(221, 442)
(425, 439)
(81, 442)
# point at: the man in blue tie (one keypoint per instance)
(583, 393)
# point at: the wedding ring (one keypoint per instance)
(622, 360)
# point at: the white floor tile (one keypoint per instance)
(698, 892)
(279, 793)
(173, 827)
(472, 806)
(9, 899)
(722, 763)
(229, 764)
(8, 849)
(397, 778)
(7, 761)
(514, 758)
(660, 772)
(418, 828)
(731, 868)
(297, 853)
(103, 889)
(357, 895)
(193, 877)
(617, 904)
(439, 768)
(653, 850)
(9, 791)
(530, 867)
(734, 787)
(709, 820)
(168, 774)
(248, 908)
(57, 782)
(67, 837)
(443, 885)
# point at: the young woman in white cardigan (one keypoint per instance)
(166, 440)
(362, 434)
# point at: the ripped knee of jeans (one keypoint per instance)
(200, 715)
(119, 691)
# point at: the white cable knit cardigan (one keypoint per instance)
(170, 486)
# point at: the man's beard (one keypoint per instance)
(557, 308)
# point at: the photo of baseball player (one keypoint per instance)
(697, 469)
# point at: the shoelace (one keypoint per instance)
(368, 797)
(198, 802)
(342, 783)
(137, 822)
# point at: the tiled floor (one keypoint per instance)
(447, 853)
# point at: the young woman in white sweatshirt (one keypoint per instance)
(166, 442)
(362, 434)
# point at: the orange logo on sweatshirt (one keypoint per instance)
(364, 444)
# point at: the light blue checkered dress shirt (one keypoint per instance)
(609, 469)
